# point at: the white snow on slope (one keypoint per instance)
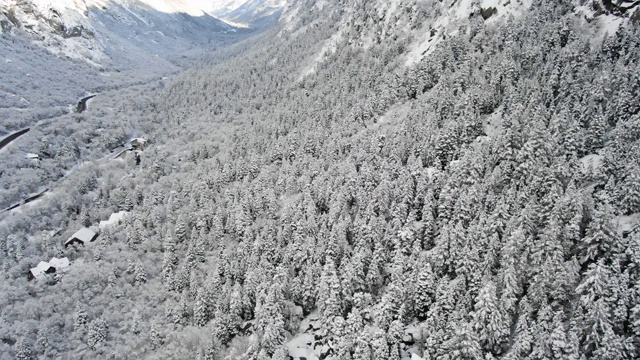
(93, 30)
(329, 47)
(626, 224)
(191, 7)
(114, 219)
(446, 24)
(606, 24)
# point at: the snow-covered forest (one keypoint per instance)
(362, 180)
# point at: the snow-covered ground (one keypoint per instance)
(626, 224)
(329, 47)
(605, 24)
(591, 162)
(446, 24)
(313, 343)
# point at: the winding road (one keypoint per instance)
(82, 103)
(13, 136)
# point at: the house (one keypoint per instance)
(114, 219)
(59, 264)
(139, 143)
(82, 237)
(39, 272)
(54, 265)
(33, 157)
(135, 145)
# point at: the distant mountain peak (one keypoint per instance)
(85, 29)
(248, 11)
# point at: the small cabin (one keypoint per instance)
(139, 143)
(59, 264)
(54, 265)
(82, 237)
(39, 272)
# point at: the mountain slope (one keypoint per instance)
(369, 180)
(255, 12)
(83, 29)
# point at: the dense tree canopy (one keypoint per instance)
(454, 195)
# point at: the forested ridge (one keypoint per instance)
(484, 198)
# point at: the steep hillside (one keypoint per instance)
(368, 180)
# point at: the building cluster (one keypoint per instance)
(82, 237)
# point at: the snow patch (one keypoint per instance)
(190, 7)
(605, 24)
(321, 4)
(591, 162)
(298, 347)
(609, 24)
(493, 123)
(288, 20)
(330, 46)
(456, 11)
(431, 172)
(627, 224)
(114, 219)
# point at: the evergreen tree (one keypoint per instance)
(155, 337)
(378, 344)
(273, 336)
(631, 191)
(97, 333)
(489, 320)
(329, 289)
(601, 240)
(44, 340)
(181, 229)
(23, 350)
(201, 309)
(140, 274)
(80, 318)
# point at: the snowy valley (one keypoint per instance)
(320, 179)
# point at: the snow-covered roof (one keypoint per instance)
(32, 156)
(114, 219)
(52, 266)
(39, 271)
(414, 356)
(59, 263)
(119, 151)
(85, 235)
